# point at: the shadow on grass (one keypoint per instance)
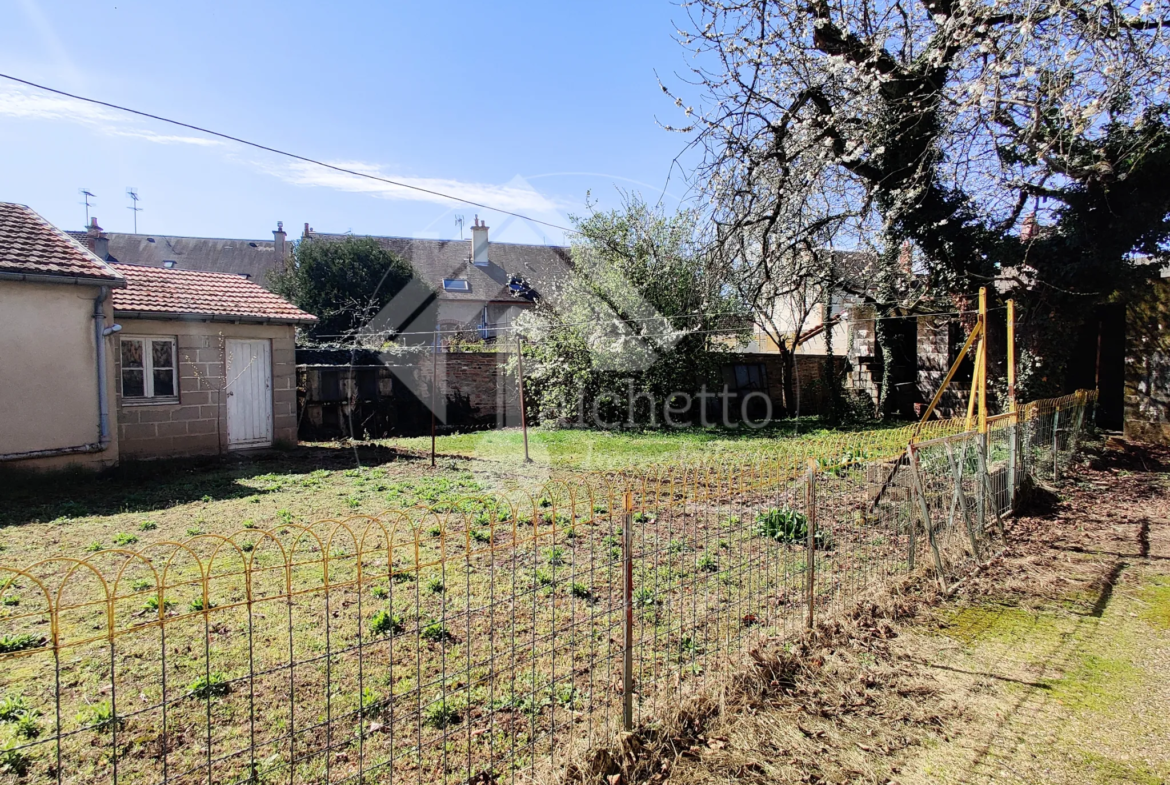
(146, 486)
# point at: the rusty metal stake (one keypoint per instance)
(628, 591)
(811, 544)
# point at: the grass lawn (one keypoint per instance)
(491, 633)
(595, 450)
(140, 503)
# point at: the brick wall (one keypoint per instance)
(196, 422)
(474, 388)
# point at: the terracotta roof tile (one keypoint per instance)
(31, 245)
(157, 290)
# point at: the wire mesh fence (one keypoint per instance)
(488, 640)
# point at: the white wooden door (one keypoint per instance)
(249, 393)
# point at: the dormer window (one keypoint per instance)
(456, 285)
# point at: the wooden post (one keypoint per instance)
(434, 388)
(628, 591)
(520, 380)
(810, 559)
(974, 383)
(1078, 424)
(1011, 355)
(983, 361)
(1013, 446)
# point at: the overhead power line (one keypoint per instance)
(287, 154)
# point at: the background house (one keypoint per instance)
(251, 259)
(55, 388)
(481, 286)
(205, 363)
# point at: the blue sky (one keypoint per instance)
(524, 105)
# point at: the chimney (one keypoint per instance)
(278, 245)
(1030, 228)
(479, 243)
(308, 232)
(96, 240)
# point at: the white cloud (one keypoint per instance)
(516, 196)
(29, 105)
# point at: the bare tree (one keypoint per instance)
(928, 120)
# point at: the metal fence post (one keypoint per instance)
(1056, 446)
(811, 544)
(628, 591)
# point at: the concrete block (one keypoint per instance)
(195, 427)
(172, 428)
(133, 432)
(155, 413)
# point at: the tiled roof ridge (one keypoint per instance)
(163, 291)
(61, 267)
(434, 240)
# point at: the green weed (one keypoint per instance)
(441, 714)
(197, 605)
(214, 686)
(123, 539)
(436, 586)
(645, 598)
(436, 632)
(707, 563)
(151, 604)
(94, 547)
(99, 717)
(555, 556)
(20, 642)
(147, 526)
(12, 707)
(581, 591)
(379, 592)
(385, 623)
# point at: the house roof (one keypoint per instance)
(436, 260)
(156, 292)
(32, 247)
(251, 258)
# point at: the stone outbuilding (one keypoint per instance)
(205, 363)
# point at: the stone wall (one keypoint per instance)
(195, 421)
(810, 373)
(1147, 366)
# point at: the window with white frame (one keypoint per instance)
(148, 368)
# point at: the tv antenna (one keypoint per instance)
(459, 223)
(87, 195)
(133, 194)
